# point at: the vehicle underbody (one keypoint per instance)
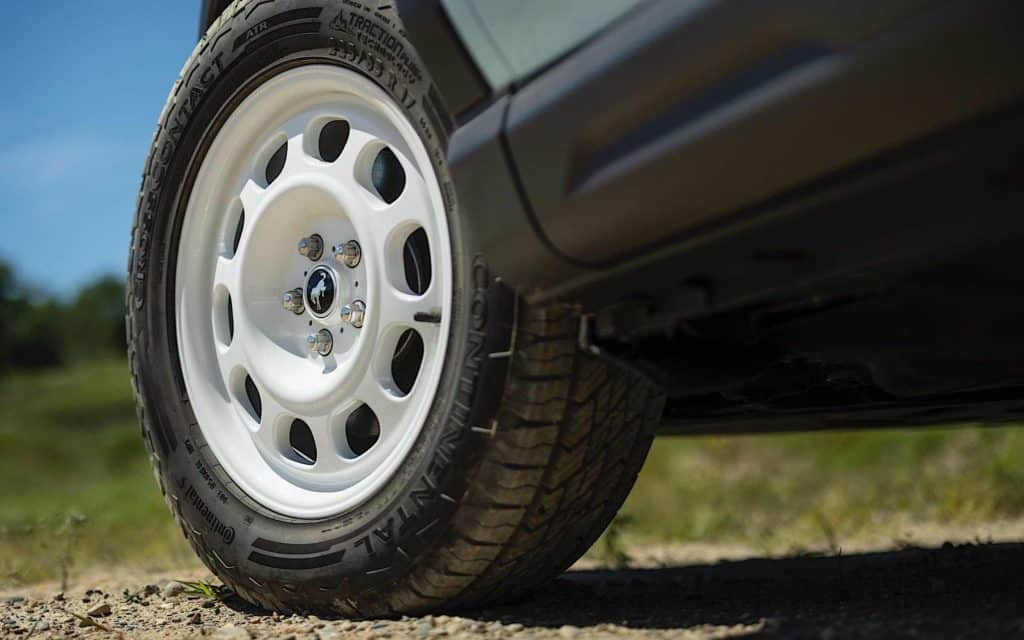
(880, 297)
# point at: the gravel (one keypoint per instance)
(968, 590)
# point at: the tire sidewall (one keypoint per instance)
(369, 548)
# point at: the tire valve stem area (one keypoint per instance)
(321, 342)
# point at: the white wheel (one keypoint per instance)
(311, 399)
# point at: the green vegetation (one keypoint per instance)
(76, 490)
(819, 491)
(206, 590)
(39, 331)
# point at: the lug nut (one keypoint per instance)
(349, 254)
(354, 313)
(312, 247)
(292, 301)
(321, 342)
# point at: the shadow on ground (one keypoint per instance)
(970, 590)
(965, 590)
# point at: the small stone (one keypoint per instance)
(568, 631)
(231, 632)
(514, 627)
(101, 611)
(150, 590)
(43, 626)
(208, 604)
(195, 618)
(172, 589)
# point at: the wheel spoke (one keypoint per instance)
(327, 458)
(229, 359)
(345, 165)
(413, 205)
(388, 407)
(396, 307)
(403, 216)
(296, 161)
(422, 313)
(226, 274)
(252, 197)
(267, 433)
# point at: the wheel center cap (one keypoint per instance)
(321, 289)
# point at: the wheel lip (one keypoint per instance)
(316, 503)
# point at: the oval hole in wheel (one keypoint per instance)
(276, 163)
(223, 320)
(253, 395)
(239, 227)
(362, 430)
(332, 139)
(231, 320)
(416, 256)
(387, 175)
(300, 439)
(405, 363)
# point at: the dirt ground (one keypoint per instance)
(941, 590)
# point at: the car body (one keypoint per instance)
(795, 214)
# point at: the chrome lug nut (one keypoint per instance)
(321, 342)
(349, 254)
(354, 313)
(292, 301)
(312, 247)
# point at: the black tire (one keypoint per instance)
(524, 459)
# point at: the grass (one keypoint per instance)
(76, 490)
(815, 491)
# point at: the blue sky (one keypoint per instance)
(84, 82)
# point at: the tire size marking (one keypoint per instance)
(377, 39)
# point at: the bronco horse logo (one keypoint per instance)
(317, 291)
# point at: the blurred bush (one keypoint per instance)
(38, 330)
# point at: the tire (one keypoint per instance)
(529, 447)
